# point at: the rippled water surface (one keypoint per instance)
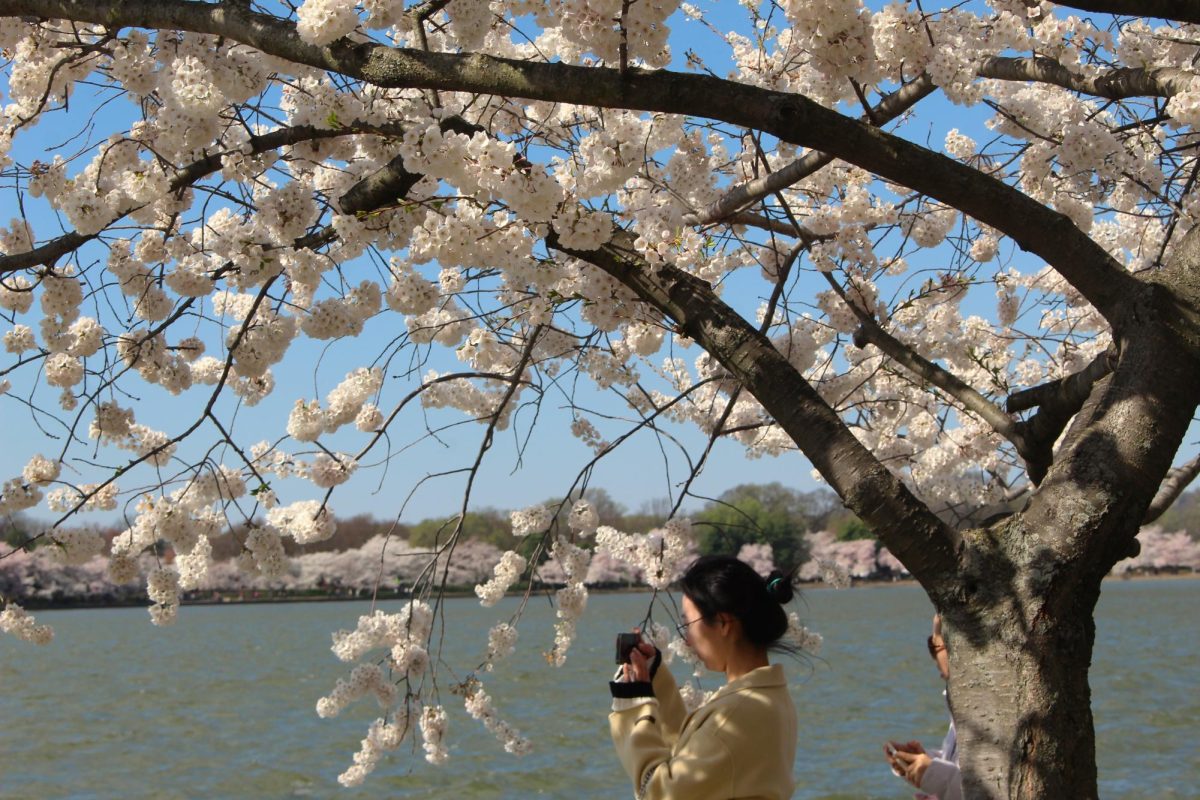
(221, 705)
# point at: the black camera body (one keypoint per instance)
(625, 644)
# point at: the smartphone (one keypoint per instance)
(625, 644)
(891, 750)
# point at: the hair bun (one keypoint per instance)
(779, 586)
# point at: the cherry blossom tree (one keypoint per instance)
(985, 342)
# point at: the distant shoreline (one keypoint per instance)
(253, 597)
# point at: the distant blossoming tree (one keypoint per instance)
(563, 192)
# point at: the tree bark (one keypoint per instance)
(1019, 685)
(1180, 10)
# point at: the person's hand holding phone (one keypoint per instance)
(909, 761)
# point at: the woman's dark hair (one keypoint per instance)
(725, 585)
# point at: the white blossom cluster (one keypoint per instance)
(20, 623)
(17, 495)
(363, 679)
(327, 470)
(162, 585)
(40, 470)
(570, 600)
(88, 496)
(404, 633)
(306, 521)
(344, 404)
(534, 519)
(77, 546)
(797, 634)
(505, 574)
(679, 648)
(583, 519)
(433, 733)
(502, 642)
(480, 706)
(660, 556)
(187, 519)
(693, 696)
(599, 26)
(382, 737)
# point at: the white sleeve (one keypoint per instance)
(943, 779)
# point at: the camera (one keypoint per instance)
(625, 644)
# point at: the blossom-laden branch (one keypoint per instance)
(485, 443)
(871, 332)
(49, 252)
(718, 429)
(792, 118)
(1115, 84)
(909, 529)
(392, 181)
(750, 192)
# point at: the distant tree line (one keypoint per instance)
(764, 525)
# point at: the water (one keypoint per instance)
(222, 704)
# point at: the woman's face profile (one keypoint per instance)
(704, 637)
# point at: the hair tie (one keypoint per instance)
(772, 582)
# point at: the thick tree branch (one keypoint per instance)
(392, 181)
(1057, 403)
(1172, 486)
(1179, 10)
(925, 544)
(46, 254)
(1115, 84)
(1068, 391)
(790, 117)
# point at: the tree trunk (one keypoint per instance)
(1019, 657)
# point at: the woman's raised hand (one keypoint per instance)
(640, 658)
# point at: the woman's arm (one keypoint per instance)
(670, 703)
(703, 769)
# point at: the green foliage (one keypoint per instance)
(16, 530)
(760, 514)
(846, 525)
(488, 525)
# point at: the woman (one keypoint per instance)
(936, 772)
(742, 742)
